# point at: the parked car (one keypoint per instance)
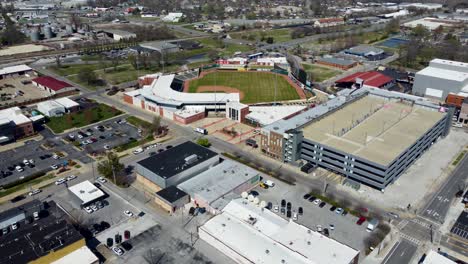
(54, 167)
(34, 192)
(263, 185)
(60, 181)
(128, 213)
(300, 211)
(107, 147)
(269, 183)
(322, 204)
(71, 177)
(326, 232)
(118, 251)
(332, 227)
(361, 220)
(319, 228)
(283, 203)
(138, 151)
(101, 180)
(317, 201)
(88, 209)
(294, 216)
(339, 210)
(333, 208)
(276, 209)
(306, 196)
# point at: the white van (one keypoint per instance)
(269, 183)
(201, 130)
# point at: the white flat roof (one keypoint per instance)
(218, 181)
(86, 191)
(14, 115)
(160, 91)
(67, 102)
(82, 255)
(51, 104)
(444, 74)
(266, 115)
(433, 257)
(272, 239)
(14, 69)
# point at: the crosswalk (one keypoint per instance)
(422, 223)
(411, 239)
(402, 224)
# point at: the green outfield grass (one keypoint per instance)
(256, 86)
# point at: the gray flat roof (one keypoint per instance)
(373, 128)
(337, 61)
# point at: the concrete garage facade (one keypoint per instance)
(369, 136)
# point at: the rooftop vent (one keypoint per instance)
(191, 159)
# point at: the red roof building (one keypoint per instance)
(51, 84)
(370, 78)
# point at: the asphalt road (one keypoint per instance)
(401, 253)
(437, 207)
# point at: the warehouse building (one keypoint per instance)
(58, 107)
(14, 71)
(119, 35)
(248, 233)
(52, 85)
(174, 166)
(215, 187)
(370, 78)
(365, 51)
(17, 214)
(440, 78)
(337, 63)
(370, 136)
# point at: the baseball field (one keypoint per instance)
(253, 87)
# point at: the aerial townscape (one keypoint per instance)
(234, 131)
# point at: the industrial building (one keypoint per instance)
(217, 186)
(57, 107)
(171, 198)
(85, 193)
(119, 35)
(15, 125)
(174, 165)
(18, 214)
(52, 85)
(369, 136)
(440, 78)
(364, 51)
(161, 99)
(370, 78)
(173, 17)
(433, 23)
(14, 71)
(248, 233)
(337, 62)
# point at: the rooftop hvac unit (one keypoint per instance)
(191, 159)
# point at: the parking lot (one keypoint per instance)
(19, 89)
(345, 228)
(105, 135)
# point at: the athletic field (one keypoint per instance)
(254, 87)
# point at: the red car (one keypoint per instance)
(361, 220)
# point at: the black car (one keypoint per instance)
(333, 208)
(326, 232)
(254, 193)
(168, 146)
(17, 198)
(300, 211)
(306, 196)
(344, 212)
(322, 204)
(160, 150)
(126, 245)
(288, 214)
(283, 203)
(7, 173)
(42, 157)
(11, 168)
(269, 205)
(288, 205)
(312, 198)
(102, 137)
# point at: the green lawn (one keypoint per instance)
(256, 86)
(319, 74)
(101, 112)
(66, 70)
(123, 74)
(279, 35)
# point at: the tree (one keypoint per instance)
(204, 142)
(87, 75)
(393, 26)
(270, 40)
(75, 20)
(11, 35)
(156, 125)
(133, 61)
(420, 32)
(110, 167)
(213, 55)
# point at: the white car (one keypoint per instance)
(118, 251)
(71, 177)
(31, 161)
(276, 209)
(60, 181)
(128, 213)
(269, 183)
(84, 143)
(332, 227)
(339, 210)
(54, 167)
(55, 156)
(14, 226)
(34, 192)
(88, 210)
(101, 180)
(294, 217)
(317, 201)
(71, 136)
(19, 168)
(89, 141)
(138, 151)
(94, 207)
(80, 136)
(107, 147)
(26, 162)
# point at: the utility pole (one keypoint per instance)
(432, 234)
(113, 174)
